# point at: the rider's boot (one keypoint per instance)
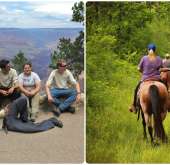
(132, 108)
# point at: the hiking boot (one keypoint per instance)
(32, 119)
(55, 110)
(57, 123)
(71, 109)
(132, 108)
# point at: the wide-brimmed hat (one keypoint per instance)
(2, 113)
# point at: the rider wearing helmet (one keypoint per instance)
(149, 66)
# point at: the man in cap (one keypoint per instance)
(165, 71)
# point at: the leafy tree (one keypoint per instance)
(18, 61)
(72, 51)
(120, 19)
(78, 12)
(65, 47)
(77, 55)
(129, 23)
(54, 58)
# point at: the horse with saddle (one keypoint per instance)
(153, 102)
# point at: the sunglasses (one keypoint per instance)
(60, 65)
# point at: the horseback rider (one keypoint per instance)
(149, 66)
(166, 61)
(165, 74)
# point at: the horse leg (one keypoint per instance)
(150, 130)
(163, 115)
(144, 127)
(149, 124)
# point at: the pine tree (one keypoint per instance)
(18, 61)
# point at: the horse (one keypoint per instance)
(165, 77)
(153, 97)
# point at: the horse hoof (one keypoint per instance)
(155, 144)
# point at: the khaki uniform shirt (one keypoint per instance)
(8, 80)
(61, 80)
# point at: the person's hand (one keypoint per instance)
(3, 92)
(11, 90)
(50, 99)
(32, 93)
(6, 109)
(78, 97)
(27, 93)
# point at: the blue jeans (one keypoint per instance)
(69, 96)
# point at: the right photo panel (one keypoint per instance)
(128, 82)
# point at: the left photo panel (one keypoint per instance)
(42, 82)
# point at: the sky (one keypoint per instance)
(37, 14)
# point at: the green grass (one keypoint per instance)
(113, 133)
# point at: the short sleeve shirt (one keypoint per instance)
(29, 81)
(8, 80)
(150, 68)
(61, 80)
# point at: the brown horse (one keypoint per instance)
(153, 96)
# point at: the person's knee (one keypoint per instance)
(16, 94)
(22, 99)
(73, 92)
(73, 95)
(53, 92)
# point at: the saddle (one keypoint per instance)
(138, 92)
(146, 80)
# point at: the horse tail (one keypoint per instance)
(156, 105)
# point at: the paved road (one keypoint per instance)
(58, 145)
